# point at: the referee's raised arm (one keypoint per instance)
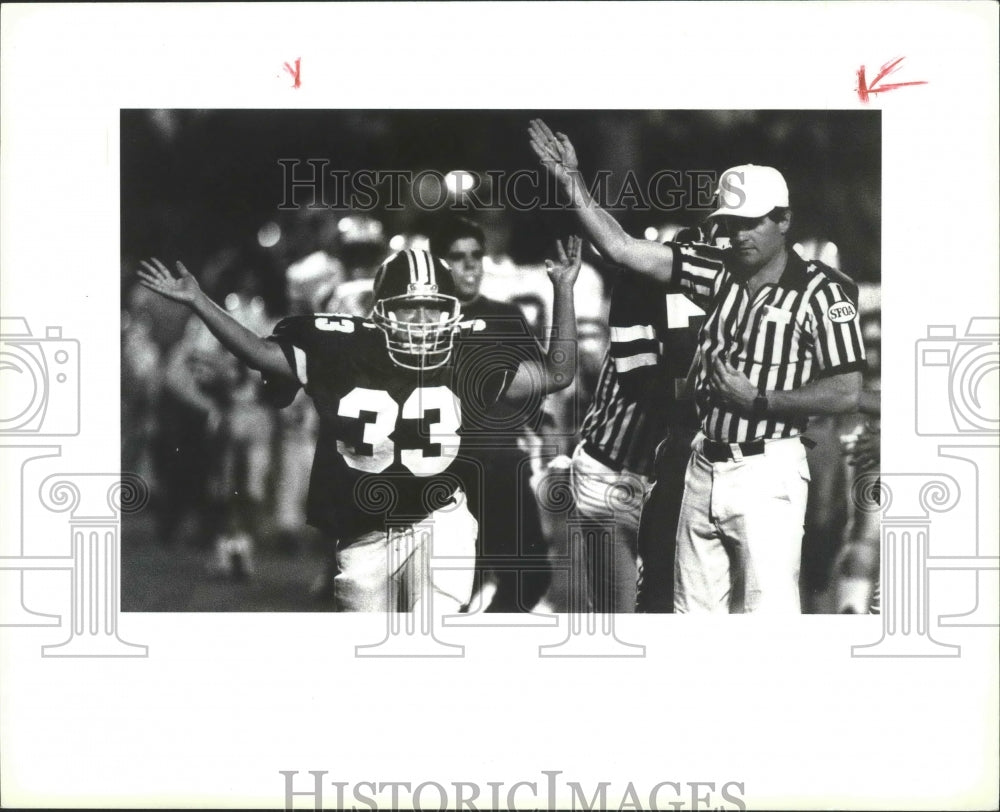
(556, 153)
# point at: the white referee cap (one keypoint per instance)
(749, 190)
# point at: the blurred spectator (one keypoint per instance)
(311, 282)
(856, 571)
(213, 450)
(840, 552)
(140, 390)
(362, 249)
(827, 509)
(506, 282)
(248, 429)
(296, 428)
(187, 447)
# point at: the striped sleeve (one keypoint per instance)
(837, 325)
(696, 272)
(635, 311)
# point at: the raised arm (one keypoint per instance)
(557, 155)
(248, 347)
(559, 364)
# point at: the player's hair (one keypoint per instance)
(452, 229)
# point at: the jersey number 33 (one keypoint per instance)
(434, 410)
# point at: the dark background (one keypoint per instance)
(197, 182)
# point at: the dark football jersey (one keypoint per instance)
(390, 445)
(505, 333)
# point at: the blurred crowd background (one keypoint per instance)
(225, 528)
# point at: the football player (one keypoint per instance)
(393, 393)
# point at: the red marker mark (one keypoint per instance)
(865, 90)
(296, 72)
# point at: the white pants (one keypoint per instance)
(395, 570)
(739, 539)
(614, 499)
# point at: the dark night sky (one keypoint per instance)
(196, 182)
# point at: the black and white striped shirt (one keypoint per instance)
(640, 391)
(803, 328)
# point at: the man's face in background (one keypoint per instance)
(465, 256)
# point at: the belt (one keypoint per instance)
(724, 452)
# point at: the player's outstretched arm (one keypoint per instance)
(557, 155)
(248, 347)
(559, 364)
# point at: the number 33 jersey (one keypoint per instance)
(390, 439)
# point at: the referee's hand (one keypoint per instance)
(554, 150)
(729, 384)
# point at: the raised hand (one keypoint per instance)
(567, 269)
(155, 276)
(254, 351)
(554, 150)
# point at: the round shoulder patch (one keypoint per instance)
(841, 312)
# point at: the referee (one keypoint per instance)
(781, 342)
(637, 405)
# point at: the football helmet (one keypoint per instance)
(416, 308)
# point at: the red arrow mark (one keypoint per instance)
(296, 72)
(865, 90)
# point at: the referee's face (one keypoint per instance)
(756, 241)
